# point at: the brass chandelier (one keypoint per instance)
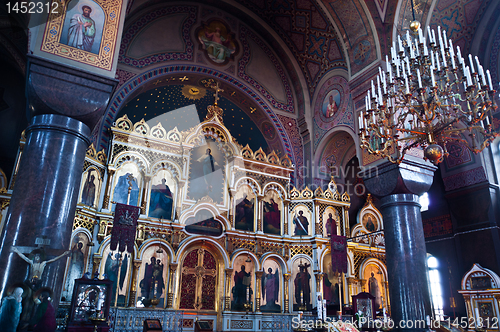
(429, 95)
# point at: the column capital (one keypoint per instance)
(412, 176)
(287, 276)
(50, 82)
(259, 274)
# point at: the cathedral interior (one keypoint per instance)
(202, 163)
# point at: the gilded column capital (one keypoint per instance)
(259, 274)
(173, 267)
(287, 276)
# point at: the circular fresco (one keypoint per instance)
(331, 103)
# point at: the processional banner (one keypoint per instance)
(339, 253)
(124, 227)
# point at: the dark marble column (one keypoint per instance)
(399, 187)
(65, 104)
(43, 201)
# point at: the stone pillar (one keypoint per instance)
(258, 274)
(107, 194)
(399, 187)
(133, 289)
(285, 216)
(227, 301)
(171, 278)
(260, 213)
(286, 277)
(44, 199)
(64, 104)
(147, 184)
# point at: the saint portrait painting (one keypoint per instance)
(110, 265)
(206, 172)
(77, 263)
(244, 209)
(242, 290)
(331, 103)
(90, 187)
(83, 26)
(161, 199)
(331, 220)
(302, 283)
(271, 293)
(216, 41)
(127, 177)
(301, 220)
(272, 213)
(370, 222)
(152, 277)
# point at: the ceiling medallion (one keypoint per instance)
(193, 92)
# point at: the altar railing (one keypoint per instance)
(132, 319)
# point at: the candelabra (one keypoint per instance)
(429, 95)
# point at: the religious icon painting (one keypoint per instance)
(119, 275)
(331, 222)
(370, 222)
(152, 277)
(271, 291)
(374, 277)
(217, 41)
(302, 223)
(206, 172)
(204, 223)
(330, 282)
(83, 26)
(127, 177)
(244, 209)
(91, 184)
(272, 205)
(161, 198)
(76, 264)
(331, 103)
(242, 283)
(302, 284)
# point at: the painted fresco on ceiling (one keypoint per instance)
(218, 41)
(307, 31)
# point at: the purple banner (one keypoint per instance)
(124, 227)
(339, 253)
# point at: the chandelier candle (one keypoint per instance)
(423, 98)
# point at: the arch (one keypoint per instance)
(244, 251)
(246, 180)
(276, 257)
(193, 241)
(157, 241)
(138, 82)
(167, 165)
(81, 230)
(191, 212)
(329, 138)
(277, 187)
(130, 157)
(376, 262)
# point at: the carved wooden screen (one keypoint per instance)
(199, 280)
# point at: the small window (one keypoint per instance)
(424, 201)
(435, 287)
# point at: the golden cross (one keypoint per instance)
(217, 90)
(252, 109)
(157, 81)
(184, 79)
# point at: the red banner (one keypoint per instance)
(339, 253)
(124, 227)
